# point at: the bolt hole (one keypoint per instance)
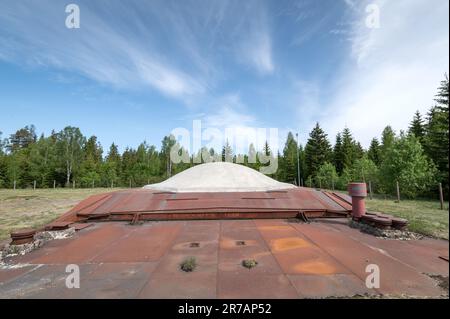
(194, 245)
(240, 243)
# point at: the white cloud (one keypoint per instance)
(100, 50)
(394, 70)
(228, 111)
(259, 53)
(255, 47)
(173, 49)
(230, 116)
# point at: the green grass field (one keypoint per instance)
(35, 208)
(425, 216)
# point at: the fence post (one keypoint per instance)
(93, 183)
(34, 185)
(130, 182)
(73, 184)
(332, 184)
(14, 184)
(398, 193)
(441, 196)
(54, 184)
(370, 189)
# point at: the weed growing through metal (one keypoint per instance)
(188, 264)
(249, 263)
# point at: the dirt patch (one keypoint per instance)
(442, 281)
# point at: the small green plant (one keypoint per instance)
(188, 264)
(249, 263)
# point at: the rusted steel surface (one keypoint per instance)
(295, 260)
(383, 221)
(22, 236)
(80, 226)
(358, 192)
(153, 205)
(396, 275)
(58, 225)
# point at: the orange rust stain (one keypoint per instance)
(282, 244)
(315, 267)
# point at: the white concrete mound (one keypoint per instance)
(219, 177)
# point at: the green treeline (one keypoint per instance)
(417, 159)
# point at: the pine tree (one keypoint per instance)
(22, 138)
(436, 140)
(289, 160)
(317, 151)
(227, 153)
(266, 149)
(374, 151)
(358, 151)
(348, 148)
(338, 155)
(111, 169)
(417, 127)
(387, 140)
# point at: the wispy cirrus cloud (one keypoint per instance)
(256, 47)
(392, 71)
(170, 47)
(100, 49)
(229, 111)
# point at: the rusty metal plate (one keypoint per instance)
(122, 205)
(255, 286)
(326, 286)
(142, 243)
(395, 275)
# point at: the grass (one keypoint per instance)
(25, 208)
(425, 216)
(249, 263)
(188, 264)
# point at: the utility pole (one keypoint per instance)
(298, 161)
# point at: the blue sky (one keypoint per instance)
(135, 70)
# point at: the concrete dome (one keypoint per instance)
(219, 177)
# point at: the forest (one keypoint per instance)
(416, 159)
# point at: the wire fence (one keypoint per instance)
(373, 191)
